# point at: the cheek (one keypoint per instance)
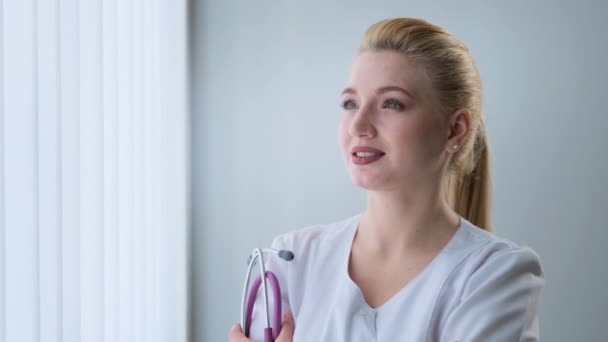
(415, 140)
(425, 142)
(343, 133)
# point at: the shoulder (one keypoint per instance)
(495, 294)
(499, 258)
(318, 252)
(495, 246)
(316, 235)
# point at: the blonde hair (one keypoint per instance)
(456, 84)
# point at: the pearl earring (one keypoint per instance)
(455, 147)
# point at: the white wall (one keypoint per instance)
(265, 93)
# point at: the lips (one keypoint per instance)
(368, 155)
(366, 149)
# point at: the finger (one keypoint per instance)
(236, 334)
(287, 328)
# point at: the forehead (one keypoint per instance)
(375, 69)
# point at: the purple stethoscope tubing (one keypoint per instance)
(269, 334)
(247, 312)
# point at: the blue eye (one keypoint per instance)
(394, 105)
(348, 105)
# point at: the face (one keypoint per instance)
(388, 107)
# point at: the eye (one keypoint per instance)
(348, 105)
(393, 104)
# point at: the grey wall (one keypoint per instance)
(266, 78)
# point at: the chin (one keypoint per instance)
(367, 183)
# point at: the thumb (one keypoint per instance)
(287, 328)
(236, 334)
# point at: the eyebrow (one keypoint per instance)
(380, 90)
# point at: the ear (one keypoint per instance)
(459, 126)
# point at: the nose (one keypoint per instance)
(362, 123)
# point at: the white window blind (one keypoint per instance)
(93, 170)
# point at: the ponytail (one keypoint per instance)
(470, 193)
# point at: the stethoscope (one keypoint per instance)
(247, 312)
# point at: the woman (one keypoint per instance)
(420, 263)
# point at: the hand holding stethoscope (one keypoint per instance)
(286, 335)
(281, 331)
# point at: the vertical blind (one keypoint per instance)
(93, 174)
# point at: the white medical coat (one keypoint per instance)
(480, 287)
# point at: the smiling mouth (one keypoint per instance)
(366, 154)
(364, 158)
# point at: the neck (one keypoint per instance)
(398, 222)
